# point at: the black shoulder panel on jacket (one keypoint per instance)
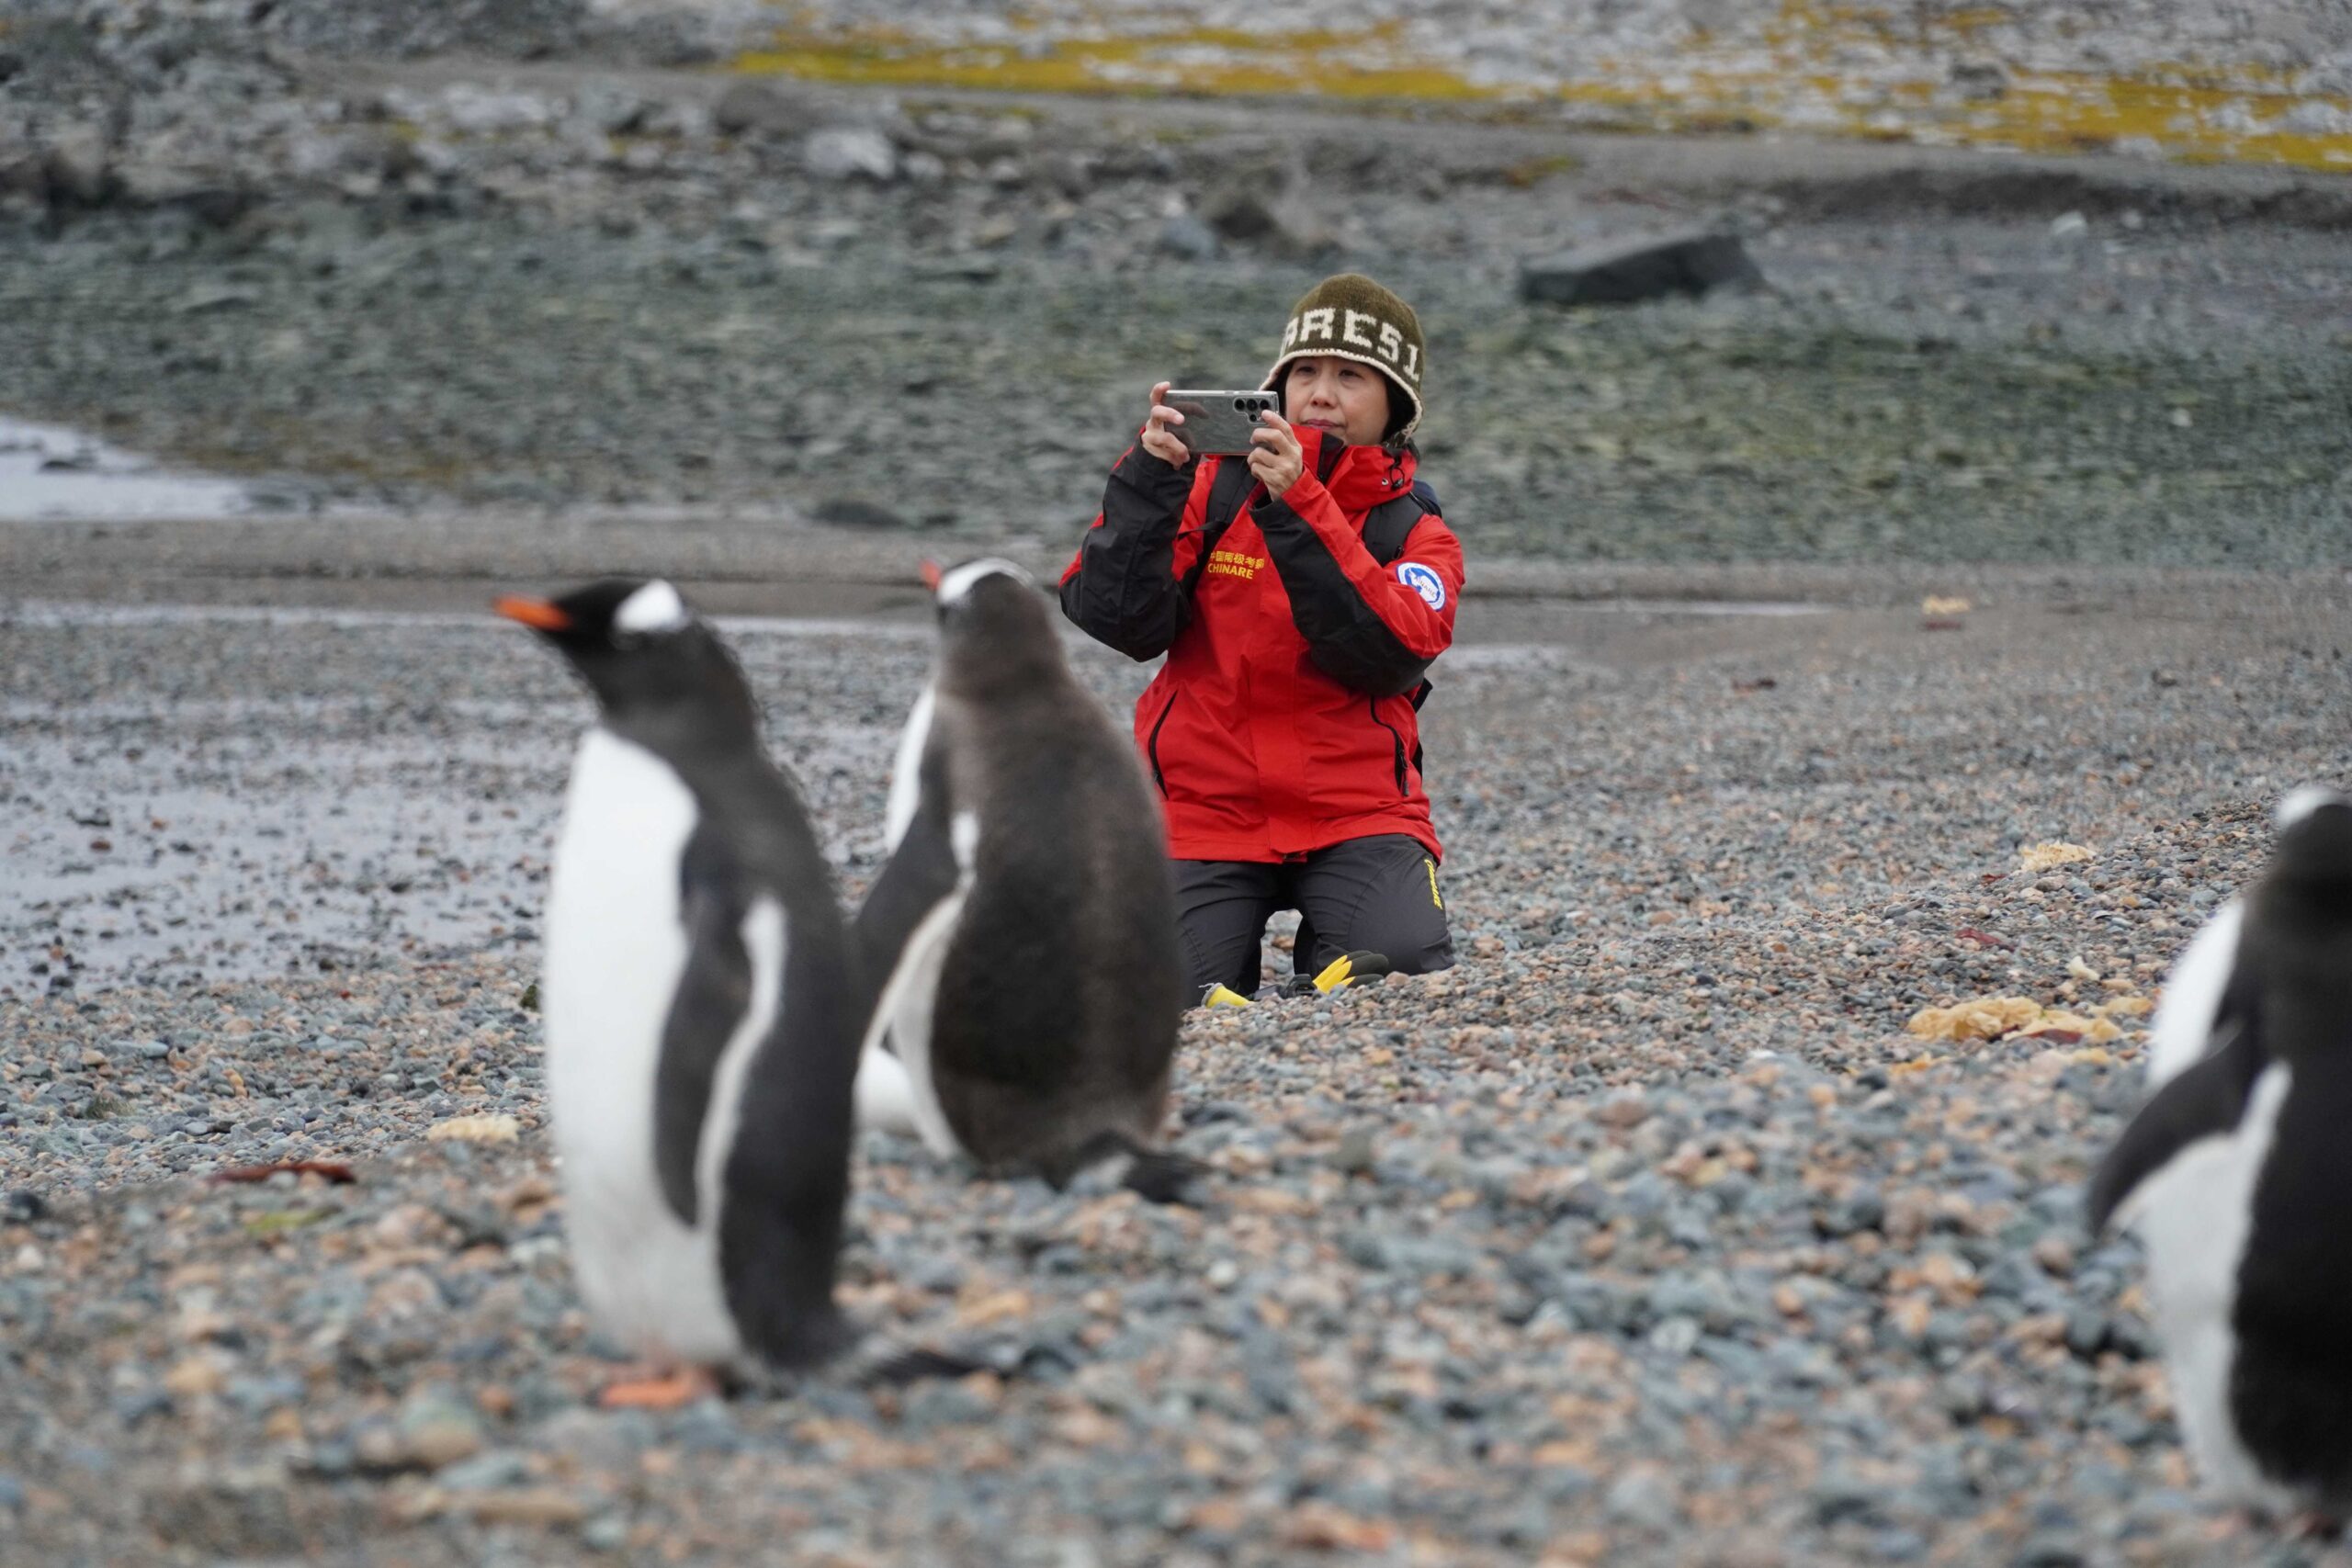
(1125, 592)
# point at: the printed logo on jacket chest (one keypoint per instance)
(1233, 563)
(1423, 580)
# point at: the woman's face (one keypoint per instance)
(1326, 392)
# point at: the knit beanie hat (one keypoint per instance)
(1351, 317)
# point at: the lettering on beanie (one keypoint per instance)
(1317, 325)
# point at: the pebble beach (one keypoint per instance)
(1866, 685)
(1647, 1234)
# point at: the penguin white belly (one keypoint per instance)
(2193, 1216)
(614, 951)
(909, 1013)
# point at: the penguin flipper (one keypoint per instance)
(921, 873)
(714, 993)
(2207, 1100)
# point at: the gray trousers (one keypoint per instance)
(1377, 895)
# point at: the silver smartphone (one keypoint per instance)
(1219, 424)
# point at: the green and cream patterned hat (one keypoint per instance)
(1350, 316)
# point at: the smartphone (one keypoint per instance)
(1219, 424)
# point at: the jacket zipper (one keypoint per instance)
(1373, 705)
(1151, 747)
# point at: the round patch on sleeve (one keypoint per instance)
(1423, 580)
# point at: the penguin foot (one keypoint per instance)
(919, 1364)
(657, 1389)
(1158, 1176)
(1007, 1356)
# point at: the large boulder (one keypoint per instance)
(754, 108)
(847, 152)
(80, 167)
(1628, 271)
(1243, 215)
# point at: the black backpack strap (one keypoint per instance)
(1231, 487)
(1386, 529)
(1389, 524)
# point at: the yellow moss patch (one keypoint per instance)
(2008, 1017)
(1789, 76)
(496, 1128)
(1987, 1017)
(2039, 858)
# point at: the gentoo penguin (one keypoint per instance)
(701, 1015)
(1022, 937)
(2237, 1175)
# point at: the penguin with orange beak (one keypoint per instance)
(702, 1029)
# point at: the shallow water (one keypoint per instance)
(197, 794)
(50, 473)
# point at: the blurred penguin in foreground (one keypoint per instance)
(2237, 1175)
(702, 1017)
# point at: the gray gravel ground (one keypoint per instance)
(1647, 1236)
(508, 362)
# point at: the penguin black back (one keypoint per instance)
(1073, 884)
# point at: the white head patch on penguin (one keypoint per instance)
(956, 584)
(655, 607)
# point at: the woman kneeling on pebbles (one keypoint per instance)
(1300, 594)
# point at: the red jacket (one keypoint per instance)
(1283, 720)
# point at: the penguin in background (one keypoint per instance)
(1021, 942)
(2236, 1174)
(701, 1017)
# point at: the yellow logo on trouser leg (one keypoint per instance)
(1432, 868)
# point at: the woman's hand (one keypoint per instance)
(1275, 454)
(1157, 440)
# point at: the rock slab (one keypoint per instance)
(1629, 272)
